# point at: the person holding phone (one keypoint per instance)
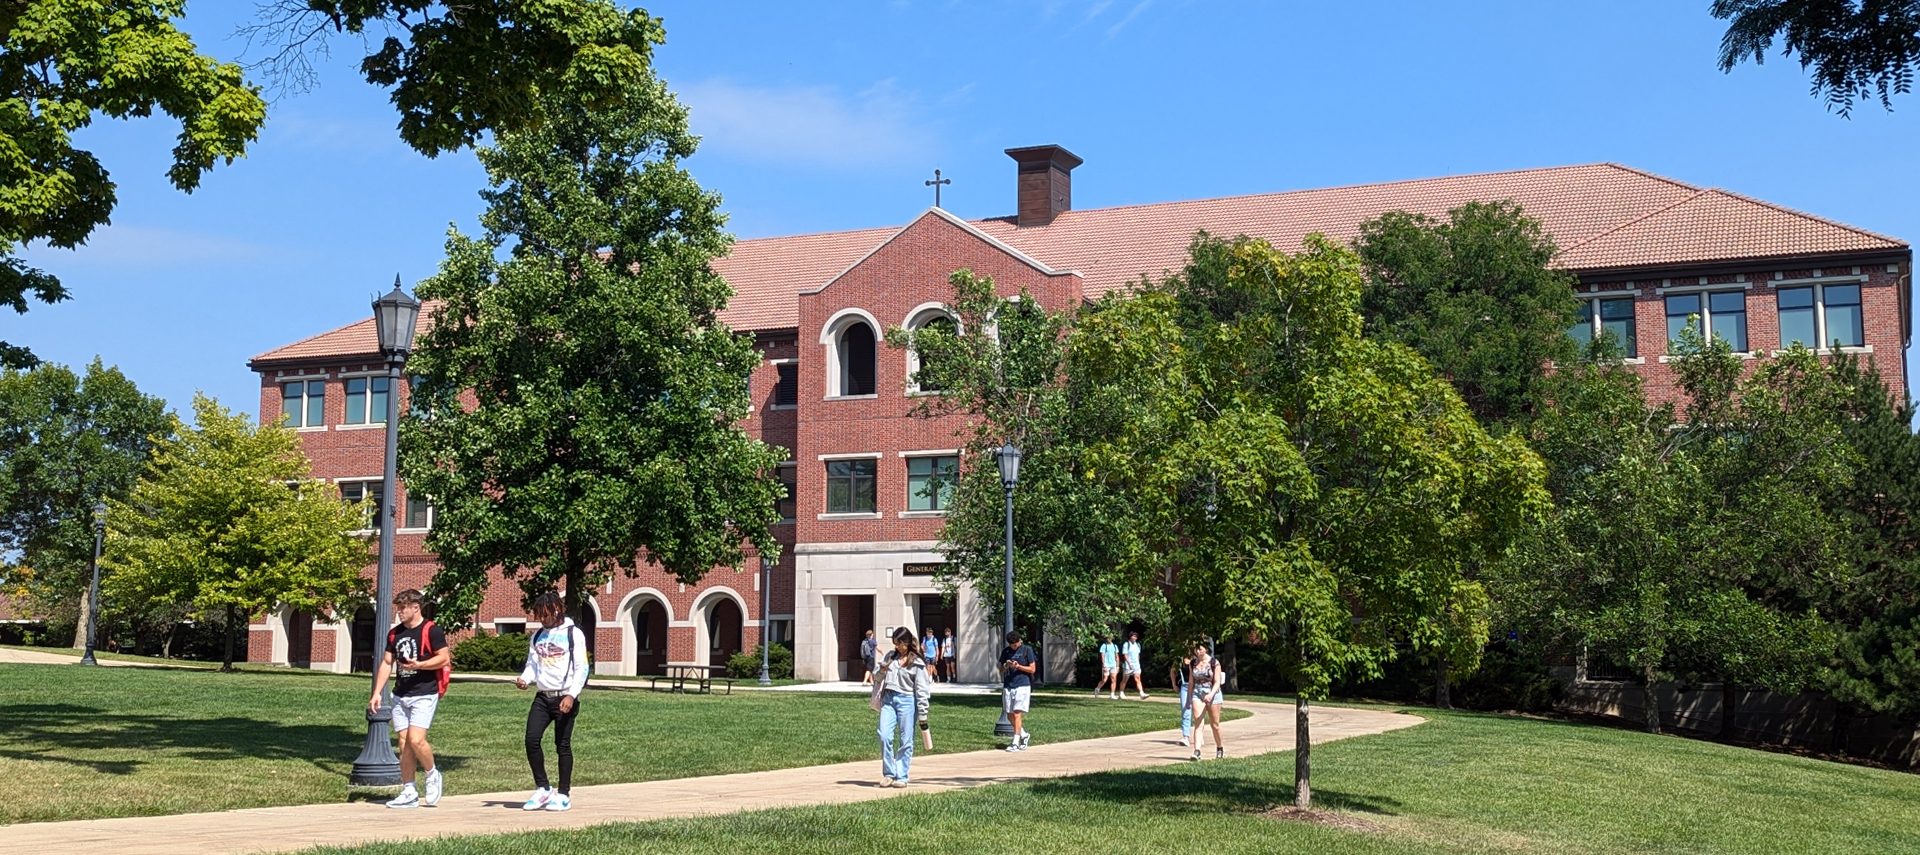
(1017, 664)
(1207, 690)
(557, 671)
(906, 686)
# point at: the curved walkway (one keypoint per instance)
(1268, 728)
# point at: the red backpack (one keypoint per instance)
(445, 674)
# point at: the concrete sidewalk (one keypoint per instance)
(1268, 728)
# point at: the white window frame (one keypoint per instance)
(281, 384)
(776, 363)
(922, 315)
(855, 515)
(792, 466)
(431, 513)
(830, 335)
(912, 455)
(367, 422)
(384, 498)
(1593, 298)
(1705, 314)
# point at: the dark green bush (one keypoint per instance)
(483, 652)
(746, 664)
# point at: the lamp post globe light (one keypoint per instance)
(393, 321)
(93, 590)
(1008, 457)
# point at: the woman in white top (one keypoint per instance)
(903, 685)
(1207, 690)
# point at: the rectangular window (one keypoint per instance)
(1843, 315)
(930, 482)
(1681, 307)
(1616, 320)
(1727, 316)
(786, 390)
(356, 491)
(787, 486)
(1797, 325)
(850, 486)
(304, 402)
(1582, 330)
(366, 400)
(419, 512)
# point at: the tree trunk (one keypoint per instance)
(1442, 692)
(80, 629)
(1729, 707)
(1302, 755)
(166, 641)
(1652, 700)
(233, 623)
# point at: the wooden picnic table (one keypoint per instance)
(701, 676)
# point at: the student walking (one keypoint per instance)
(1109, 668)
(867, 650)
(1207, 690)
(1017, 664)
(419, 649)
(905, 682)
(556, 669)
(949, 656)
(1180, 674)
(1130, 665)
(930, 649)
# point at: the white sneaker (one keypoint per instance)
(559, 801)
(539, 800)
(408, 798)
(1014, 747)
(1025, 738)
(1183, 740)
(435, 786)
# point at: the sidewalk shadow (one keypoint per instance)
(1196, 791)
(59, 733)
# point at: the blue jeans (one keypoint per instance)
(1186, 713)
(897, 719)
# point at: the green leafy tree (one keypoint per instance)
(460, 70)
(1003, 364)
(67, 441)
(1475, 293)
(63, 62)
(1856, 48)
(579, 402)
(1317, 489)
(227, 519)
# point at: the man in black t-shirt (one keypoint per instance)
(416, 657)
(1017, 664)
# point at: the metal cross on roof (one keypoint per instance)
(935, 184)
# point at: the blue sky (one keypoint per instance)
(830, 116)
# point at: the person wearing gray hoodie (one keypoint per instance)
(905, 686)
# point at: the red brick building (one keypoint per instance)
(1650, 253)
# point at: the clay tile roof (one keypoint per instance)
(1604, 216)
(1719, 226)
(353, 340)
(767, 273)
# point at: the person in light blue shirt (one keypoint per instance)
(930, 645)
(1109, 668)
(1130, 665)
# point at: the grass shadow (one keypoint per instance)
(1201, 789)
(57, 732)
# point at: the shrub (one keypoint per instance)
(746, 664)
(483, 652)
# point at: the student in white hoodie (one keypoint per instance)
(557, 668)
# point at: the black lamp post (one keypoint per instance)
(766, 622)
(1009, 459)
(93, 591)
(393, 321)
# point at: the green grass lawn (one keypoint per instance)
(102, 742)
(1461, 783)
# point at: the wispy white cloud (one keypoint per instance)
(125, 247)
(1131, 14)
(809, 125)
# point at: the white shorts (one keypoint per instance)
(1132, 668)
(1016, 699)
(414, 711)
(1108, 672)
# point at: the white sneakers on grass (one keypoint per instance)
(408, 798)
(1020, 742)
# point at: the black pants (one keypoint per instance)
(546, 710)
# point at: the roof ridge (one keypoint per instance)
(1365, 184)
(269, 354)
(1697, 193)
(1814, 217)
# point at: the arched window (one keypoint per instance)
(856, 359)
(917, 377)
